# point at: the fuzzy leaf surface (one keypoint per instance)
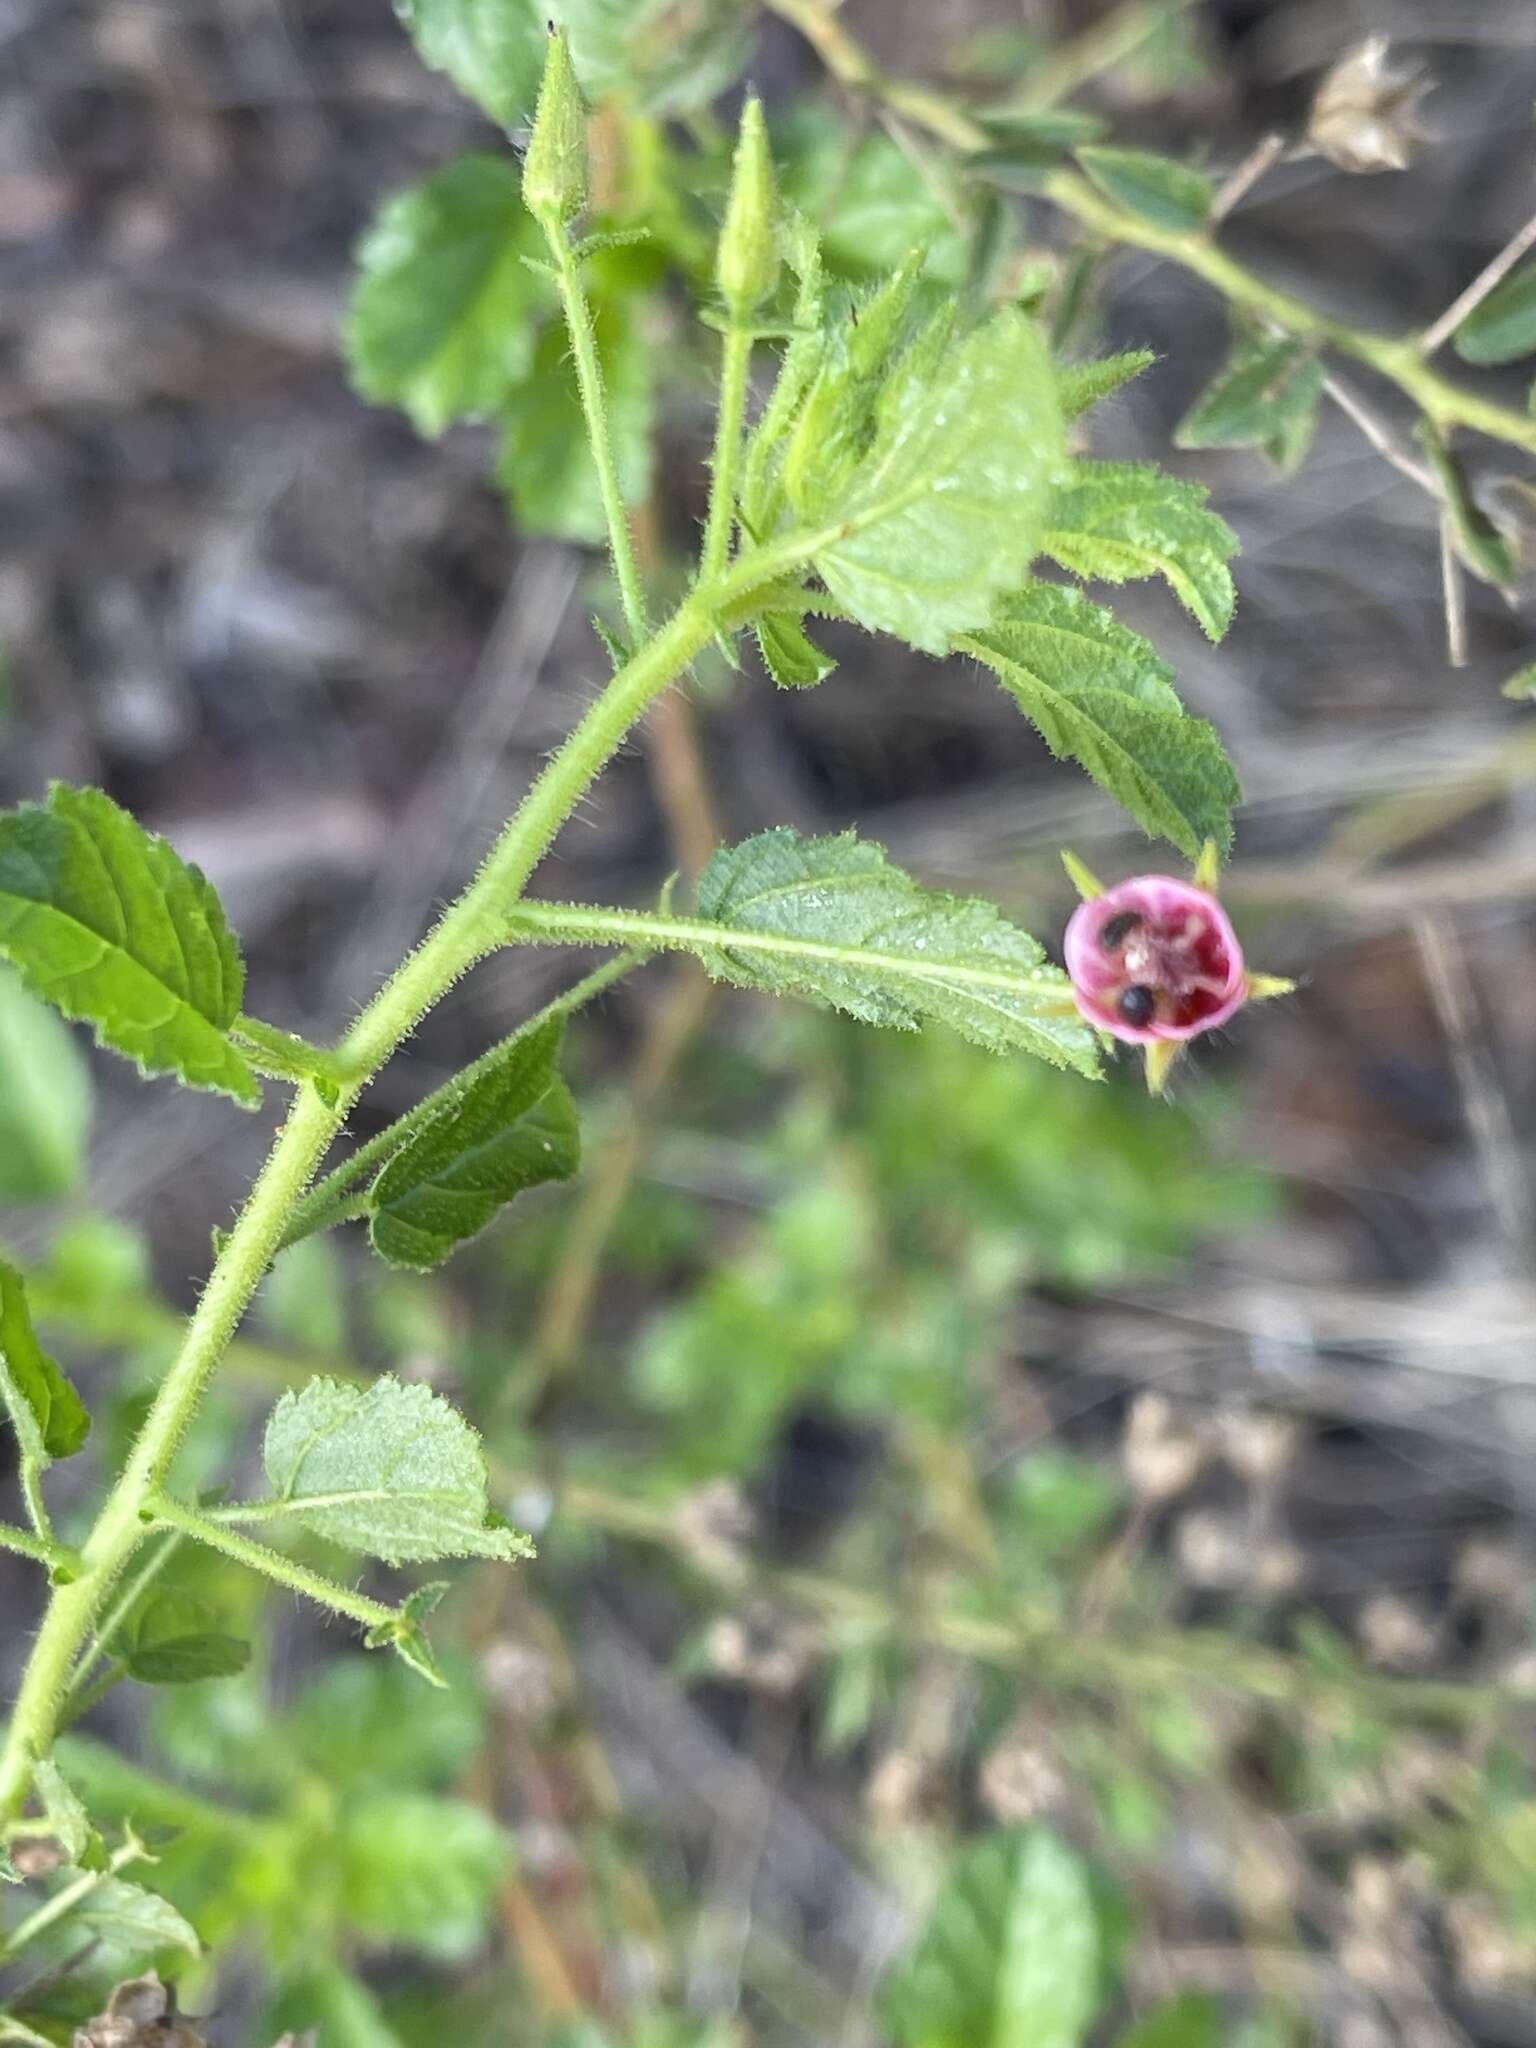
(512, 1128)
(857, 932)
(1010, 1955)
(109, 924)
(391, 1470)
(1170, 194)
(1266, 395)
(1082, 385)
(493, 50)
(946, 510)
(442, 317)
(1116, 522)
(1102, 696)
(48, 1416)
(789, 653)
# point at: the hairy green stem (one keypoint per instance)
(594, 406)
(271, 1563)
(734, 373)
(41, 1549)
(470, 928)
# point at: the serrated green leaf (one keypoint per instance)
(48, 1416)
(668, 59)
(511, 1129)
(1521, 686)
(1102, 696)
(392, 1470)
(1192, 2020)
(1010, 1955)
(1267, 394)
(45, 1099)
(1170, 194)
(1116, 522)
(493, 50)
(945, 511)
(857, 932)
(1503, 327)
(63, 1809)
(175, 1638)
(544, 464)
(128, 1923)
(1081, 385)
(442, 318)
(789, 653)
(421, 1873)
(106, 922)
(405, 1635)
(871, 202)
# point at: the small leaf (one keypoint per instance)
(1192, 2020)
(175, 1638)
(47, 1414)
(1169, 194)
(1266, 395)
(1102, 696)
(1116, 522)
(129, 1923)
(789, 654)
(848, 927)
(1521, 686)
(392, 1470)
(1081, 385)
(406, 1636)
(544, 464)
(442, 319)
(108, 923)
(45, 1099)
(63, 1810)
(1503, 327)
(493, 50)
(1010, 1957)
(945, 511)
(1479, 542)
(512, 1128)
(1025, 144)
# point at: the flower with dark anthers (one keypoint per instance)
(1154, 961)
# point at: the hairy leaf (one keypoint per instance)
(1010, 1955)
(1170, 194)
(176, 1638)
(110, 925)
(843, 924)
(512, 1128)
(1503, 327)
(946, 509)
(493, 50)
(392, 1470)
(544, 464)
(1081, 385)
(1266, 396)
(48, 1416)
(442, 317)
(45, 1099)
(128, 1923)
(789, 653)
(63, 1809)
(1104, 697)
(1115, 522)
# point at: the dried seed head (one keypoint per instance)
(1213, 1550)
(1364, 114)
(893, 1797)
(1258, 1446)
(140, 2013)
(1493, 1574)
(1394, 1632)
(1488, 1957)
(1279, 1568)
(1155, 960)
(714, 1525)
(763, 1648)
(1020, 1780)
(1161, 1454)
(37, 1855)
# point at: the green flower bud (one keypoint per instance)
(555, 168)
(747, 262)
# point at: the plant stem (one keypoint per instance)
(1440, 331)
(594, 406)
(734, 372)
(280, 1053)
(325, 1202)
(41, 1549)
(1398, 359)
(470, 928)
(271, 1563)
(65, 1901)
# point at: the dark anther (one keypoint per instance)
(1137, 1004)
(1116, 930)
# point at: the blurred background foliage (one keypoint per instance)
(1019, 1564)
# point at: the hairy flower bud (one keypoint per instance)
(555, 168)
(747, 262)
(1363, 115)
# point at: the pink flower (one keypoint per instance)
(1155, 959)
